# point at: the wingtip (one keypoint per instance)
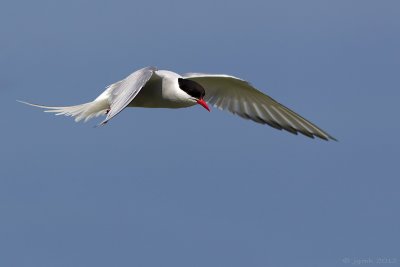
(101, 124)
(333, 139)
(327, 138)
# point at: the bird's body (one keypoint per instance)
(162, 91)
(152, 88)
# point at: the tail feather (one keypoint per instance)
(84, 112)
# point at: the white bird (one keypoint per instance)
(153, 88)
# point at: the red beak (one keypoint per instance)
(203, 103)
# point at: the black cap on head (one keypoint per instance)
(192, 88)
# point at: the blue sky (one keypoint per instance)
(141, 192)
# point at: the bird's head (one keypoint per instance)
(194, 90)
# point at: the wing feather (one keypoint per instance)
(241, 98)
(126, 90)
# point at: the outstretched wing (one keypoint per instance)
(241, 98)
(123, 92)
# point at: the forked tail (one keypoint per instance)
(80, 112)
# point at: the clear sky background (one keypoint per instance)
(192, 188)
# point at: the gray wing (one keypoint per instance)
(240, 97)
(123, 92)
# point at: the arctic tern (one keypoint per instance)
(153, 88)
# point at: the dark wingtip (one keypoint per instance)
(333, 138)
(327, 137)
(101, 124)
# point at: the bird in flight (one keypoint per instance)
(153, 88)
